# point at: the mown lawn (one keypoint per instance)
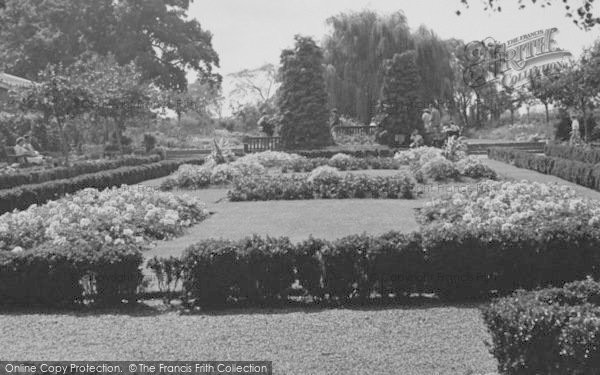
(420, 339)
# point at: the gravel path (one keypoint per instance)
(416, 340)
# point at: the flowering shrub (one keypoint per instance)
(507, 205)
(189, 176)
(341, 161)
(324, 174)
(195, 177)
(324, 184)
(269, 159)
(418, 155)
(473, 167)
(439, 168)
(440, 164)
(454, 149)
(126, 215)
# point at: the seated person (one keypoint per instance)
(24, 152)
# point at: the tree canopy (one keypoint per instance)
(581, 13)
(154, 34)
(302, 99)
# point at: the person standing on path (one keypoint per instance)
(575, 134)
(427, 131)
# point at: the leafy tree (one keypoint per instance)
(302, 99)
(117, 92)
(542, 87)
(259, 84)
(400, 105)
(433, 60)
(58, 97)
(462, 94)
(154, 34)
(582, 12)
(355, 52)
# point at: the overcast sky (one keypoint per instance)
(249, 33)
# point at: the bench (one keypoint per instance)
(11, 157)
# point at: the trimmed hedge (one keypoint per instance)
(38, 176)
(256, 269)
(454, 266)
(467, 264)
(52, 275)
(584, 174)
(24, 196)
(575, 153)
(273, 187)
(551, 331)
(370, 162)
(373, 152)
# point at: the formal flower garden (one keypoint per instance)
(374, 202)
(485, 239)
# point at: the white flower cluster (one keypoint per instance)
(269, 159)
(324, 173)
(120, 215)
(511, 204)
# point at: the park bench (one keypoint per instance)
(11, 157)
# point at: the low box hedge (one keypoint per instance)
(575, 153)
(53, 275)
(274, 187)
(456, 266)
(24, 196)
(37, 176)
(550, 331)
(584, 174)
(370, 152)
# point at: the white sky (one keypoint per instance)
(248, 33)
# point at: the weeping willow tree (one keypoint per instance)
(355, 52)
(433, 60)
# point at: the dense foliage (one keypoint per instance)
(24, 196)
(156, 35)
(400, 102)
(322, 183)
(550, 331)
(39, 175)
(302, 98)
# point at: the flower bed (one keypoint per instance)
(129, 214)
(197, 177)
(86, 245)
(322, 183)
(450, 162)
(39, 175)
(504, 236)
(340, 161)
(584, 174)
(24, 196)
(551, 331)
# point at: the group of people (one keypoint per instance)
(24, 150)
(435, 134)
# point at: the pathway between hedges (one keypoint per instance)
(509, 171)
